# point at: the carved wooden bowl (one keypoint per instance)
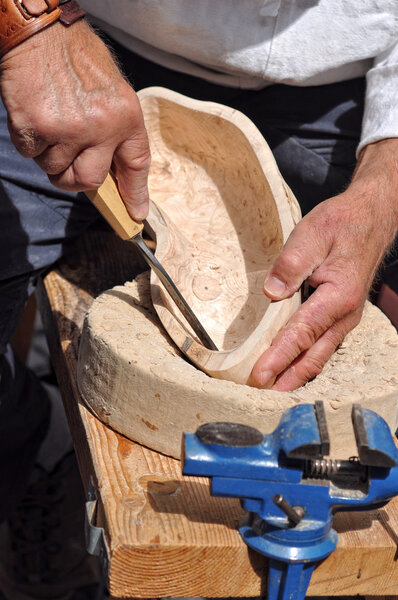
(226, 214)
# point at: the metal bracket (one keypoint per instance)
(96, 543)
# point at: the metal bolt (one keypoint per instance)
(294, 513)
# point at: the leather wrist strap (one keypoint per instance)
(20, 19)
(70, 12)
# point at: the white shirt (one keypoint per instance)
(252, 43)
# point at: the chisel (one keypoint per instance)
(109, 203)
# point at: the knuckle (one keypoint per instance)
(300, 336)
(115, 111)
(104, 115)
(313, 367)
(141, 161)
(55, 160)
(90, 179)
(54, 168)
(292, 342)
(47, 166)
(28, 132)
(134, 154)
(18, 122)
(128, 100)
(25, 139)
(25, 146)
(100, 119)
(89, 183)
(290, 262)
(352, 301)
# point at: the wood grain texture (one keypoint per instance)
(152, 400)
(166, 535)
(225, 214)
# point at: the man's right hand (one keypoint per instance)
(71, 110)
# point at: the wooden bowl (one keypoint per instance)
(225, 214)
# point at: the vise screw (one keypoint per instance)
(289, 490)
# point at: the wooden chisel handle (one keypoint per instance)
(111, 206)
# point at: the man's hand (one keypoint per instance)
(70, 109)
(337, 248)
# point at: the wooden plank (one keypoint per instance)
(166, 536)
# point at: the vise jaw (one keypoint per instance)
(289, 486)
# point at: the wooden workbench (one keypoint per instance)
(162, 534)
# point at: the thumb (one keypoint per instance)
(131, 163)
(302, 254)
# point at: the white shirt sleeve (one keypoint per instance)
(380, 118)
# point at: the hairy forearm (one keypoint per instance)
(377, 172)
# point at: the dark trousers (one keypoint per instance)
(313, 133)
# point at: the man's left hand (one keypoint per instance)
(337, 248)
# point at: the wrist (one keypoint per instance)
(378, 162)
(48, 43)
(376, 178)
(377, 169)
(22, 19)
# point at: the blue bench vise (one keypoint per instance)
(289, 489)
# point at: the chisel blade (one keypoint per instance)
(173, 292)
(108, 201)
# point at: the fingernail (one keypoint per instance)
(140, 212)
(265, 376)
(274, 286)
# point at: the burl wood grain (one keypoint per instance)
(225, 215)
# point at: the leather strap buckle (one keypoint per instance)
(35, 8)
(20, 19)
